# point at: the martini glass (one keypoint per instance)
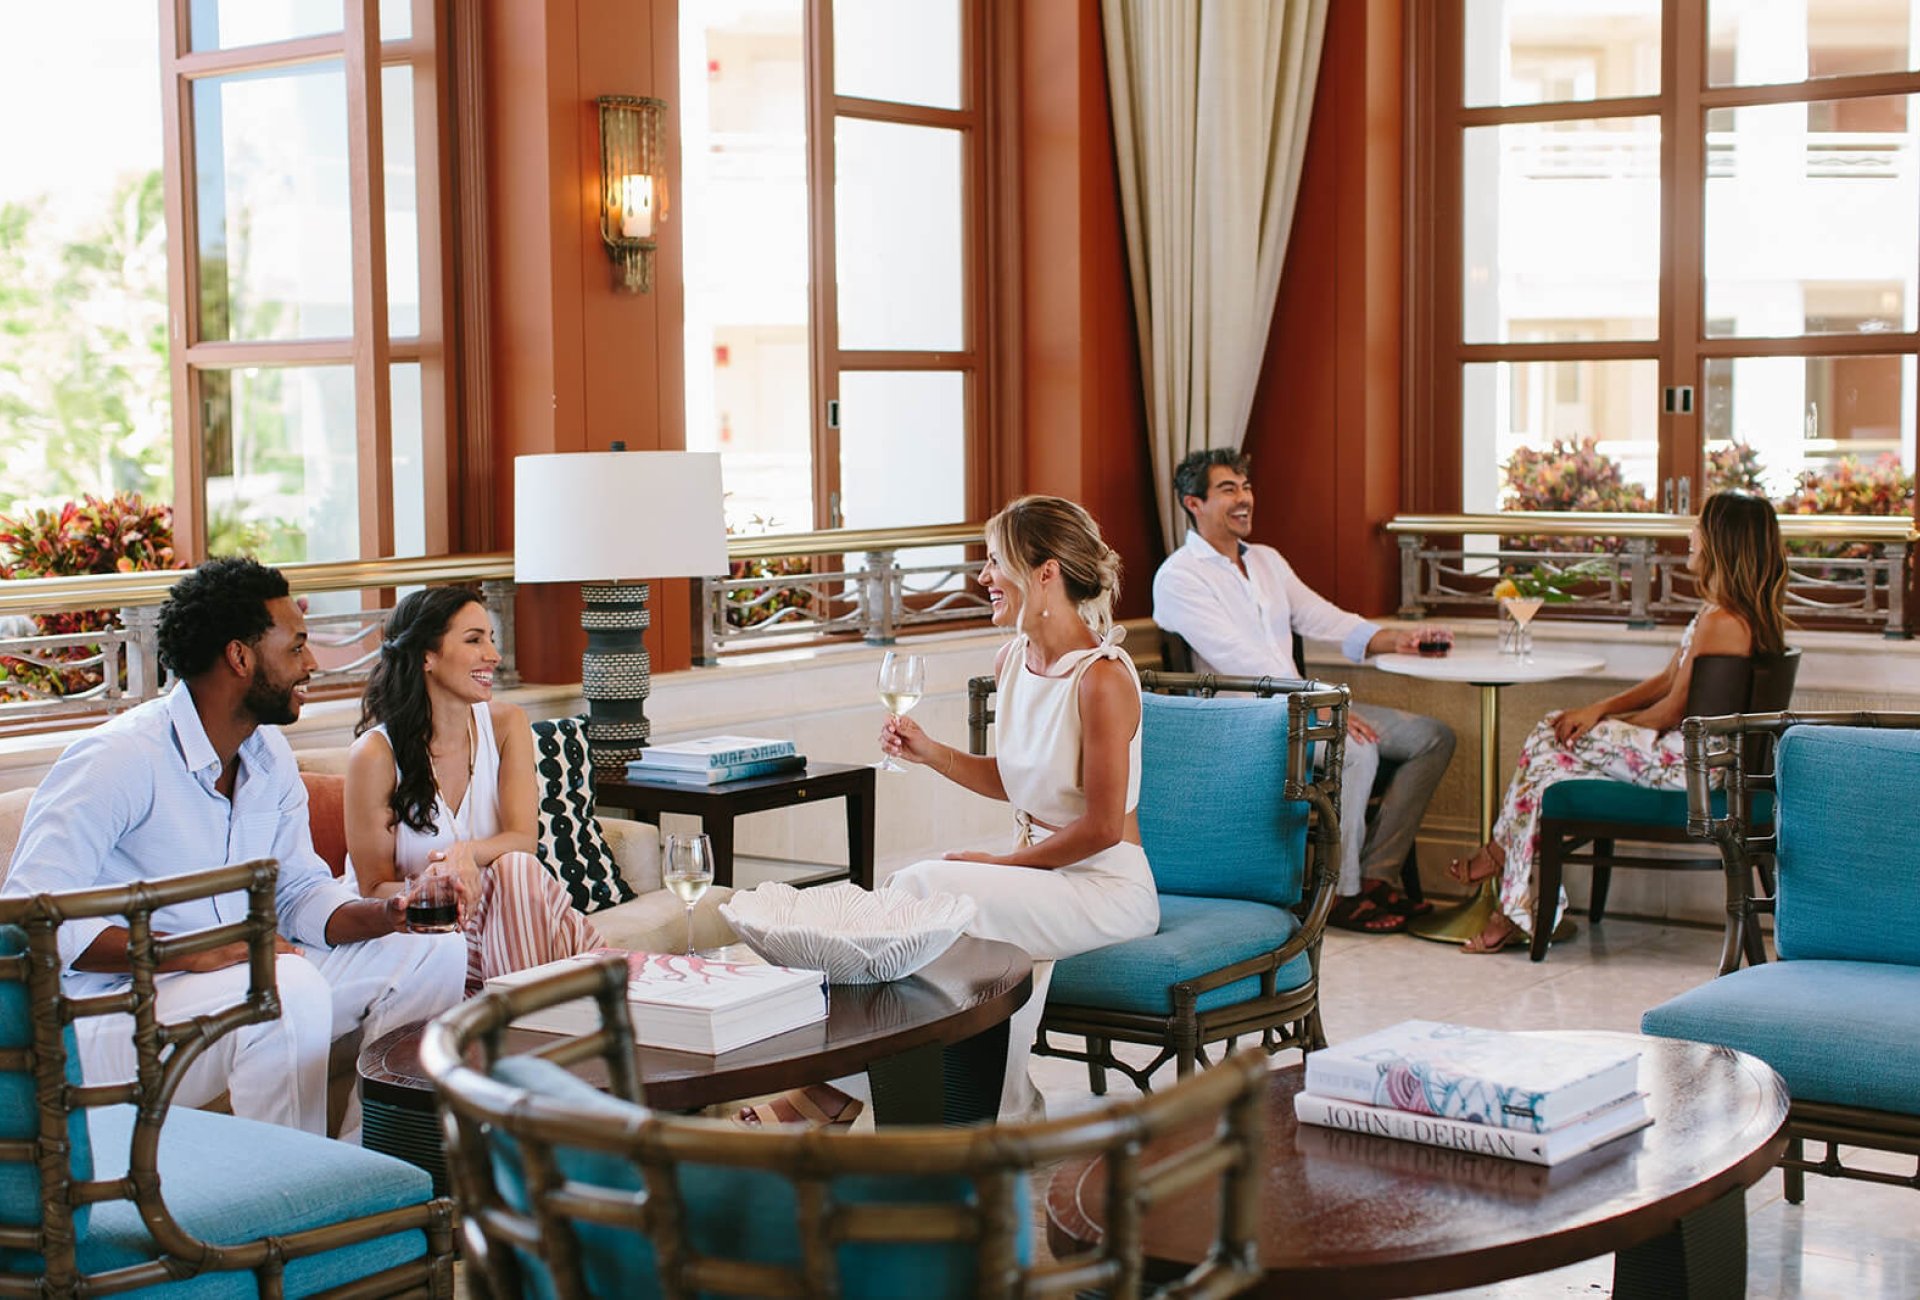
(1521, 610)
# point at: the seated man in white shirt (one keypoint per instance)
(1237, 606)
(199, 778)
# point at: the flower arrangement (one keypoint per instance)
(118, 534)
(1550, 583)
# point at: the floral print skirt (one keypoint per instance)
(1612, 751)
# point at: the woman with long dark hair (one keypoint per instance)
(441, 782)
(1737, 559)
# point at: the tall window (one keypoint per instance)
(834, 175)
(305, 229)
(1671, 247)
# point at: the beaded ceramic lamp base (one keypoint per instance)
(615, 673)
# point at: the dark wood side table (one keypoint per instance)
(717, 805)
(1350, 1214)
(934, 1046)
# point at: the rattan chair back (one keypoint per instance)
(163, 1054)
(1224, 1105)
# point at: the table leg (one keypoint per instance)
(860, 838)
(956, 1085)
(1462, 921)
(719, 829)
(1705, 1258)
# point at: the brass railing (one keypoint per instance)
(1860, 576)
(874, 601)
(766, 603)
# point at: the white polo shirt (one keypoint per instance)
(1242, 625)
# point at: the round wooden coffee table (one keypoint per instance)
(1349, 1214)
(934, 1046)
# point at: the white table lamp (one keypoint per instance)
(611, 520)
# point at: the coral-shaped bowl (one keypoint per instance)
(855, 936)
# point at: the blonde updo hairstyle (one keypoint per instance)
(1031, 530)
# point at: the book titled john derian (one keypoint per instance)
(1526, 1082)
(1582, 1134)
(711, 752)
(689, 1004)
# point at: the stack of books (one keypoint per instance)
(1520, 1096)
(712, 760)
(688, 1003)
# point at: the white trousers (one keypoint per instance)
(1108, 898)
(276, 1071)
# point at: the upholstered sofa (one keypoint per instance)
(652, 919)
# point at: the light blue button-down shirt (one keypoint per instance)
(134, 799)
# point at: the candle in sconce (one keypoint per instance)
(636, 207)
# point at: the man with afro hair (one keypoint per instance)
(202, 777)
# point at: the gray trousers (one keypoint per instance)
(1417, 750)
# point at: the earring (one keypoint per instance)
(1046, 613)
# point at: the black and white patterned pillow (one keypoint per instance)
(572, 846)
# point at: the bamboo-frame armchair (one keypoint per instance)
(1282, 1018)
(164, 1052)
(1750, 854)
(489, 1123)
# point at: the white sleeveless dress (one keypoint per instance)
(525, 917)
(1059, 912)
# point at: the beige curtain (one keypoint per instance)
(1211, 100)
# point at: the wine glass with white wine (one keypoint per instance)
(903, 678)
(688, 872)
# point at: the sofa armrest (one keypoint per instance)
(636, 851)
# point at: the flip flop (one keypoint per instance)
(1478, 945)
(1359, 913)
(799, 1107)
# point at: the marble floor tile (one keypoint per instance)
(1849, 1239)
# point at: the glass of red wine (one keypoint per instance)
(433, 905)
(1434, 642)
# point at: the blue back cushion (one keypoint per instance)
(1849, 864)
(19, 1113)
(1211, 815)
(735, 1213)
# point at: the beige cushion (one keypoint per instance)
(657, 922)
(331, 760)
(636, 850)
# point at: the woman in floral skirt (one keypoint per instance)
(1737, 559)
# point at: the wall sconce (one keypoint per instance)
(633, 185)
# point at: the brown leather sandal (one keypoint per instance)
(817, 1105)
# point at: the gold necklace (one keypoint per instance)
(473, 753)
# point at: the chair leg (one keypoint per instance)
(1096, 1068)
(1186, 1050)
(1410, 875)
(1546, 891)
(1794, 1181)
(1602, 877)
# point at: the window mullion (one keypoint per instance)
(372, 378)
(1682, 285)
(823, 296)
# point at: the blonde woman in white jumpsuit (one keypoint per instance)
(1067, 757)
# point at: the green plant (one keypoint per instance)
(95, 535)
(1551, 583)
(774, 595)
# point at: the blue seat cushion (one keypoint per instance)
(737, 1213)
(20, 1115)
(1843, 1032)
(1212, 819)
(1849, 878)
(1633, 805)
(1196, 935)
(230, 1180)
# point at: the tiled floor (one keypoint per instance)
(1848, 1240)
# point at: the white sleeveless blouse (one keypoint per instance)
(477, 817)
(1037, 732)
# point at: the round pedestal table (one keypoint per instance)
(1488, 670)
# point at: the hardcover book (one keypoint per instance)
(714, 775)
(687, 1003)
(1583, 1134)
(1528, 1082)
(712, 751)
